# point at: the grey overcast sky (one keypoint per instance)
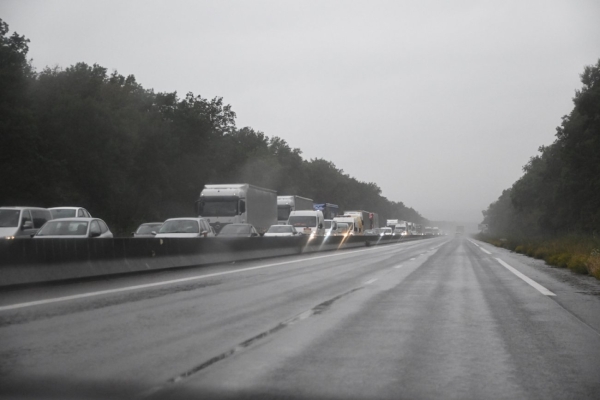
(438, 102)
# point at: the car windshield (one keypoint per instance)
(64, 228)
(9, 218)
(233, 229)
(303, 221)
(280, 229)
(180, 226)
(147, 229)
(63, 213)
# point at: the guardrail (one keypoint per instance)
(28, 261)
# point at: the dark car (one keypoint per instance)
(145, 230)
(238, 230)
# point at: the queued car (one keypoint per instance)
(386, 231)
(74, 228)
(148, 229)
(331, 227)
(238, 230)
(69, 212)
(22, 222)
(280, 230)
(371, 232)
(185, 228)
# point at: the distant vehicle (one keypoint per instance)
(22, 222)
(69, 212)
(371, 232)
(385, 231)
(460, 230)
(329, 210)
(343, 229)
(74, 228)
(391, 223)
(401, 228)
(331, 227)
(148, 229)
(236, 204)
(354, 222)
(281, 230)
(307, 222)
(185, 228)
(287, 204)
(370, 220)
(238, 230)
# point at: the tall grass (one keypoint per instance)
(580, 254)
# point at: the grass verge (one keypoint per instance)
(580, 254)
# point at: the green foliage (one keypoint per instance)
(82, 136)
(559, 192)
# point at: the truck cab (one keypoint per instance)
(307, 222)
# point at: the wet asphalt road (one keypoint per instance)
(438, 318)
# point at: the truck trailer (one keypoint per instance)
(238, 203)
(287, 204)
(330, 211)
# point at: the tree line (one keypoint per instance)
(559, 192)
(86, 137)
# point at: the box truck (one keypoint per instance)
(287, 204)
(330, 211)
(370, 220)
(238, 203)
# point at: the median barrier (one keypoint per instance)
(28, 261)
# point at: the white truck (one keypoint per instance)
(401, 228)
(370, 220)
(287, 204)
(238, 203)
(307, 222)
(354, 223)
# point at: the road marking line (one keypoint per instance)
(369, 282)
(412, 259)
(191, 278)
(484, 250)
(398, 266)
(530, 281)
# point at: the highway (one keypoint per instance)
(447, 317)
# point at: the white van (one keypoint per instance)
(353, 222)
(22, 222)
(307, 222)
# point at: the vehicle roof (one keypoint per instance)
(75, 219)
(236, 224)
(183, 219)
(306, 212)
(151, 223)
(21, 208)
(65, 208)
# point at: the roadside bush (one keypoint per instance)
(594, 263)
(577, 264)
(540, 253)
(520, 249)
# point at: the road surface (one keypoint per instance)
(447, 317)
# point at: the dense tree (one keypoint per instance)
(559, 191)
(82, 136)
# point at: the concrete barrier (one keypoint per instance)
(30, 261)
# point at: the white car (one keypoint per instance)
(280, 230)
(385, 231)
(74, 228)
(69, 212)
(185, 228)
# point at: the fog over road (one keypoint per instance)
(446, 317)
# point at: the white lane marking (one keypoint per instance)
(474, 243)
(530, 281)
(484, 250)
(398, 266)
(191, 278)
(412, 259)
(369, 282)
